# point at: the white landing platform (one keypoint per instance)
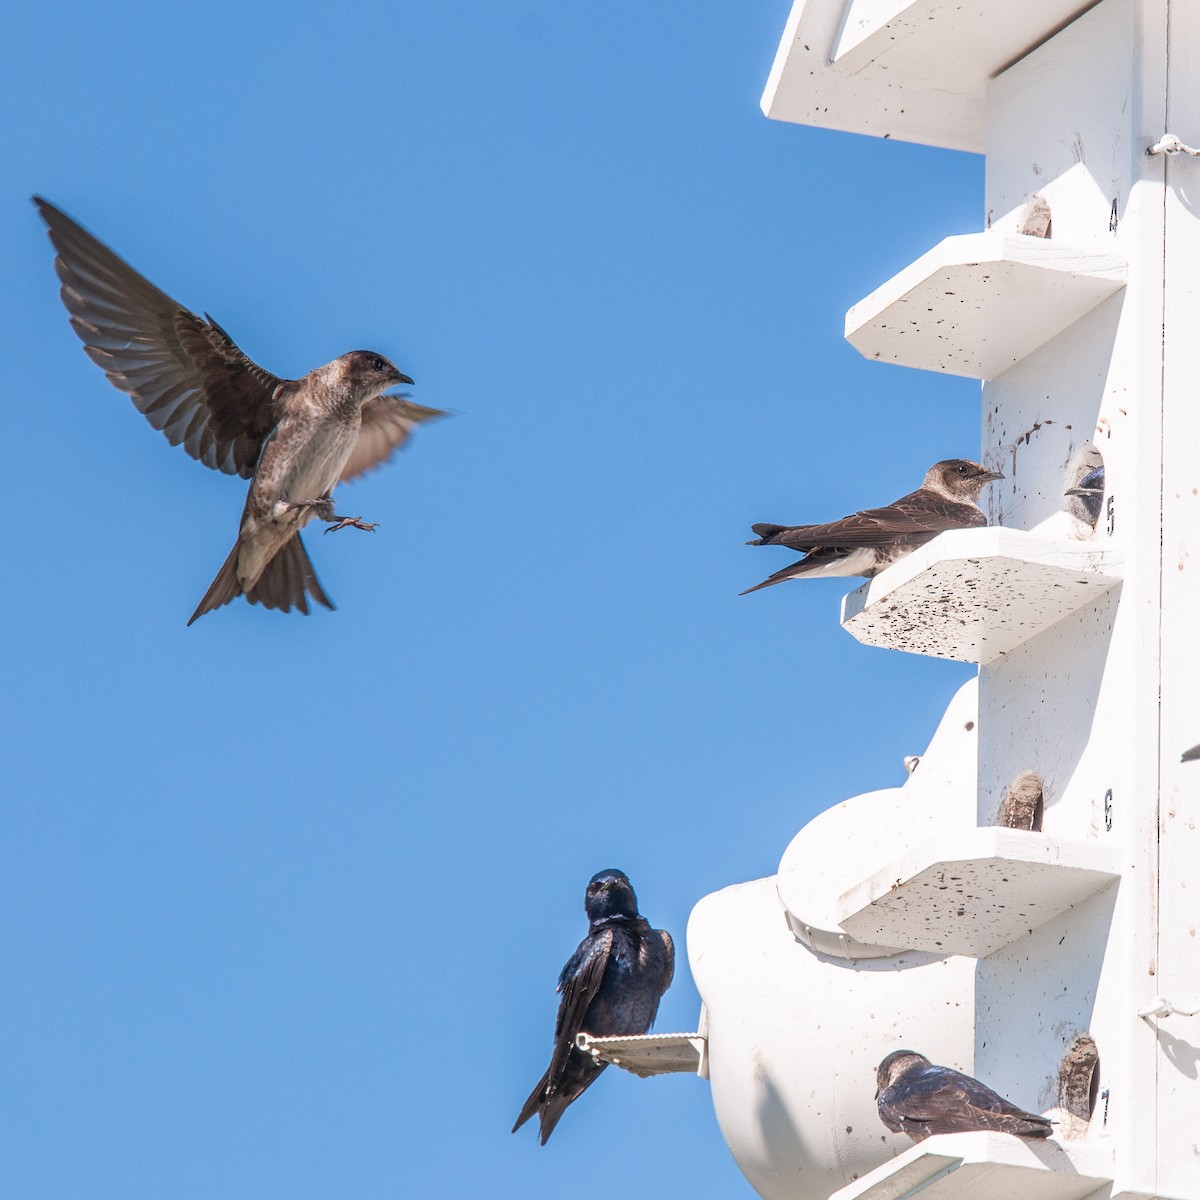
(976, 1166)
(973, 891)
(975, 594)
(978, 303)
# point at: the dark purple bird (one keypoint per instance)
(868, 541)
(610, 987)
(1090, 491)
(294, 439)
(917, 1098)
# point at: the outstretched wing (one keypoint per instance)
(183, 372)
(917, 516)
(579, 982)
(387, 422)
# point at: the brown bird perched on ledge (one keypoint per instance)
(294, 439)
(868, 541)
(920, 1099)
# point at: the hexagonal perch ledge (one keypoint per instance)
(984, 1166)
(978, 303)
(973, 891)
(974, 594)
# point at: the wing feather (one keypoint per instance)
(387, 423)
(578, 983)
(668, 946)
(184, 372)
(939, 1100)
(915, 516)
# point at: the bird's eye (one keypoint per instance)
(377, 363)
(961, 470)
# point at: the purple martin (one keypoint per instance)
(917, 1098)
(610, 987)
(868, 541)
(1090, 490)
(294, 439)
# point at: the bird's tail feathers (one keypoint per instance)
(1008, 1119)
(789, 572)
(289, 579)
(550, 1104)
(534, 1102)
(552, 1111)
(222, 589)
(766, 533)
(1031, 1126)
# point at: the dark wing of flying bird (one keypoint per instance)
(387, 422)
(183, 372)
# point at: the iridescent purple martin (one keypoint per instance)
(920, 1099)
(294, 439)
(1090, 491)
(866, 542)
(610, 987)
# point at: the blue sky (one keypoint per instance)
(286, 898)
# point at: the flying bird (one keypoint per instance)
(868, 541)
(1090, 491)
(294, 439)
(610, 987)
(917, 1098)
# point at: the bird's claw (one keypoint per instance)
(353, 522)
(322, 508)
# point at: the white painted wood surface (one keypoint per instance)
(977, 304)
(1096, 695)
(914, 70)
(1175, 1041)
(850, 841)
(975, 891)
(982, 1166)
(976, 594)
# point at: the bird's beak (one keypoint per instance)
(402, 378)
(989, 476)
(1079, 491)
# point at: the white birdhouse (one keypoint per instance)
(1024, 908)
